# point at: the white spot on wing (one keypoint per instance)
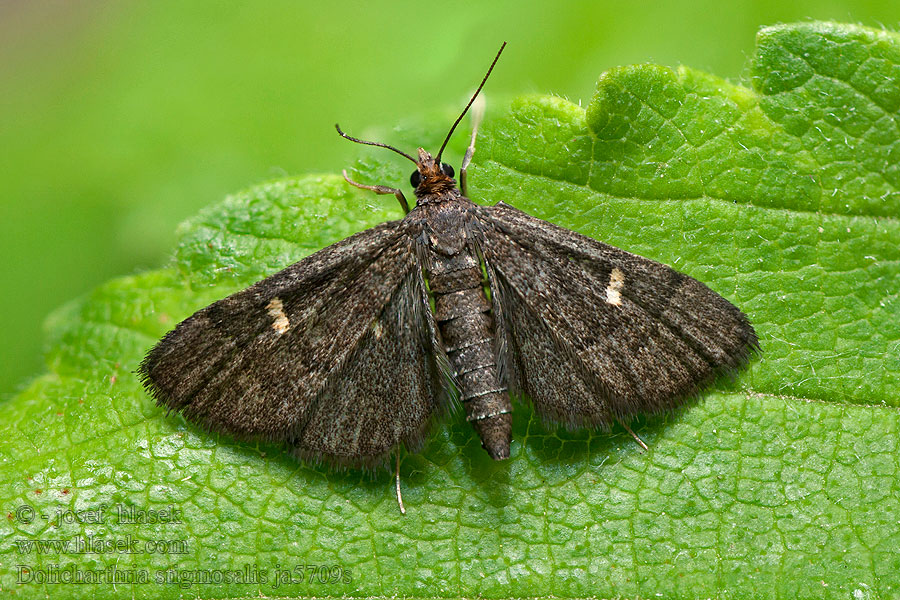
(379, 330)
(614, 289)
(280, 321)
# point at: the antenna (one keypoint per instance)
(379, 144)
(475, 95)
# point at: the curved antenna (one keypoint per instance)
(379, 144)
(475, 95)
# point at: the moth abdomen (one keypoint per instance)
(463, 314)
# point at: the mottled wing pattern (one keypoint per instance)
(592, 333)
(335, 355)
(393, 383)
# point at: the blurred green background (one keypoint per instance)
(120, 119)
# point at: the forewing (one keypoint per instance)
(264, 362)
(593, 333)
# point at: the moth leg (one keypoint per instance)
(477, 116)
(633, 434)
(381, 189)
(399, 495)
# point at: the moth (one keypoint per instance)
(353, 352)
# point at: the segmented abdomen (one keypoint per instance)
(463, 314)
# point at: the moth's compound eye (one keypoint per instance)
(415, 179)
(447, 169)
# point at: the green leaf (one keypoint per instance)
(784, 483)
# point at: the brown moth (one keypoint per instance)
(342, 358)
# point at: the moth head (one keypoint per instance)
(431, 175)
